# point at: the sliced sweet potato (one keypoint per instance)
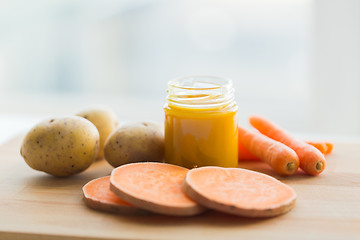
(97, 195)
(239, 191)
(155, 187)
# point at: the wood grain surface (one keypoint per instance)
(34, 205)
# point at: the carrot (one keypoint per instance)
(280, 157)
(155, 187)
(238, 191)
(97, 195)
(312, 161)
(324, 147)
(245, 155)
(330, 147)
(321, 146)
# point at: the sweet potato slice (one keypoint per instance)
(155, 187)
(97, 195)
(239, 191)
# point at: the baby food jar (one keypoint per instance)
(201, 122)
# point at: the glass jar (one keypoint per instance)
(201, 122)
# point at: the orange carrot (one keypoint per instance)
(239, 191)
(330, 147)
(97, 195)
(321, 146)
(280, 157)
(245, 155)
(155, 187)
(324, 147)
(312, 161)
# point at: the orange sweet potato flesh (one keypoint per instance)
(97, 195)
(238, 191)
(155, 187)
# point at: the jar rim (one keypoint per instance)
(209, 82)
(200, 92)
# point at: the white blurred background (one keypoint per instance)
(296, 62)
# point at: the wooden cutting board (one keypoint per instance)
(34, 205)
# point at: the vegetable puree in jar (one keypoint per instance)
(201, 123)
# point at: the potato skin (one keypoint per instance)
(135, 142)
(61, 146)
(105, 121)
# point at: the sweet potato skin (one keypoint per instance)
(114, 209)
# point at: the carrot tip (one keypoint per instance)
(319, 166)
(290, 167)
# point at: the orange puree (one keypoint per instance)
(201, 136)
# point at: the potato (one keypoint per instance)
(105, 121)
(135, 142)
(61, 146)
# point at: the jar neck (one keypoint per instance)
(201, 92)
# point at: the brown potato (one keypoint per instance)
(135, 142)
(61, 146)
(105, 121)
